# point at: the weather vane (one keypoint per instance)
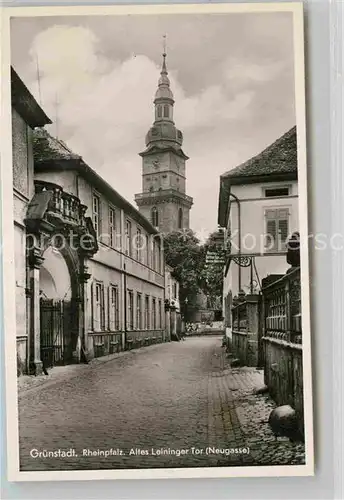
(164, 44)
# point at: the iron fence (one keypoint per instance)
(282, 308)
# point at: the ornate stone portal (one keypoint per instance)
(57, 219)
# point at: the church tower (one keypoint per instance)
(163, 200)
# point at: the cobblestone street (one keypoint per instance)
(155, 401)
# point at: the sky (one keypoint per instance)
(232, 76)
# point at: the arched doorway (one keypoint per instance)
(58, 314)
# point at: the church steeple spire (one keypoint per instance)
(163, 199)
(164, 54)
(164, 97)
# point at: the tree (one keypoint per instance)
(184, 254)
(214, 257)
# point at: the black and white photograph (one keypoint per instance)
(157, 318)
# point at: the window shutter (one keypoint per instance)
(102, 305)
(271, 229)
(117, 309)
(92, 306)
(283, 220)
(108, 308)
(283, 229)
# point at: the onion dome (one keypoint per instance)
(164, 132)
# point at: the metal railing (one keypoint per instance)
(239, 317)
(282, 308)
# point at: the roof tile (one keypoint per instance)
(279, 157)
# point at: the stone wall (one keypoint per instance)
(283, 373)
(282, 340)
(246, 330)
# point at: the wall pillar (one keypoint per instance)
(173, 321)
(83, 354)
(167, 325)
(35, 262)
(253, 327)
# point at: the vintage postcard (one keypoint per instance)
(155, 242)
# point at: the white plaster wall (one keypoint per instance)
(54, 278)
(20, 276)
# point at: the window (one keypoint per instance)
(154, 313)
(128, 239)
(112, 227)
(114, 308)
(147, 249)
(139, 311)
(174, 292)
(130, 310)
(138, 244)
(159, 257)
(277, 228)
(96, 215)
(155, 217)
(166, 111)
(154, 255)
(99, 313)
(159, 110)
(160, 315)
(180, 218)
(276, 192)
(147, 322)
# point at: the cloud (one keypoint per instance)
(104, 103)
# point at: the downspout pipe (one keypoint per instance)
(237, 201)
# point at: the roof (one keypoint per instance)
(47, 148)
(52, 154)
(278, 162)
(281, 156)
(25, 104)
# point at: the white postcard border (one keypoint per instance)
(14, 474)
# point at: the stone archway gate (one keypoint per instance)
(56, 327)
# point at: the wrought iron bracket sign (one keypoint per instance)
(242, 261)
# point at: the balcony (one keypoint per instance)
(62, 205)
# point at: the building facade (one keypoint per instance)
(26, 116)
(123, 275)
(258, 207)
(163, 199)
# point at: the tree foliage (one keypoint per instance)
(187, 256)
(212, 271)
(184, 254)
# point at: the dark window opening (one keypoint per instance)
(272, 192)
(155, 217)
(180, 218)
